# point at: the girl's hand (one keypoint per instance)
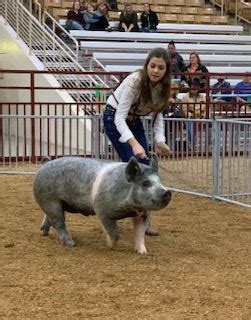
(162, 149)
(137, 149)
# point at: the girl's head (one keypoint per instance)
(89, 7)
(76, 5)
(156, 71)
(128, 7)
(194, 58)
(157, 65)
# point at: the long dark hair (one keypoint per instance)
(144, 85)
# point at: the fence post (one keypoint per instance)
(32, 99)
(215, 157)
(96, 136)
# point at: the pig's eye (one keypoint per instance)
(146, 184)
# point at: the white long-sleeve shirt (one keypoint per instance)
(126, 95)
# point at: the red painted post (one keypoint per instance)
(32, 101)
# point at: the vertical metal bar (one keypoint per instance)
(215, 157)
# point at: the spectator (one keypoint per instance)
(176, 60)
(149, 19)
(243, 90)
(194, 66)
(96, 20)
(113, 4)
(220, 88)
(174, 109)
(194, 107)
(128, 20)
(75, 19)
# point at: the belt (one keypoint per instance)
(109, 109)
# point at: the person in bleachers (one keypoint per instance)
(149, 19)
(174, 108)
(194, 107)
(176, 60)
(113, 4)
(243, 91)
(75, 19)
(221, 91)
(194, 67)
(96, 18)
(128, 20)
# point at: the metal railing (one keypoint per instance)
(213, 160)
(48, 48)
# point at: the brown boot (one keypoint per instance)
(150, 231)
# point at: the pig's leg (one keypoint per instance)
(111, 230)
(45, 226)
(56, 217)
(139, 224)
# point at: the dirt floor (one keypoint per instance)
(198, 268)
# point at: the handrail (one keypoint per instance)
(53, 29)
(50, 49)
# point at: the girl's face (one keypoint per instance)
(193, 59)
(77, 5)
(128, 8)
(156, 69)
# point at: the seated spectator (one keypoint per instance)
(176, 61)
(194, 107)
(243, 90)
(194, 66)
(220, 88)
(194, 102)
(149, 19)
(96, 20)
(75, 19)
(128, 20)
(174, 109)
(113, 4)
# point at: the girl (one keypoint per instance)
(145, 91)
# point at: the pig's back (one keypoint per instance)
(67, 179)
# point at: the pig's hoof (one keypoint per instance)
(68, 242)
(112, 244)
(141, 249)
(44, 232)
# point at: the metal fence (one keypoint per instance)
(209, 157)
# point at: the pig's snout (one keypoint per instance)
(166, 197)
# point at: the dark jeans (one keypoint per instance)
(124, 150)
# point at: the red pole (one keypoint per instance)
(32, 100)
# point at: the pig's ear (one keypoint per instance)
(132, 169)
(154, 161)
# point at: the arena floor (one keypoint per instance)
(198, 268)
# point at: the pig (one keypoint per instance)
(110, 190)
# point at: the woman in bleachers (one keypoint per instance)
(149, 19)
(128, 20)
(96, 18)
(195, 66)
(75, 19)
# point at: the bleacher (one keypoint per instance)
(178, 11)
(222, 46)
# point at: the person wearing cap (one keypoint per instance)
(194, 106)
(221, 92)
